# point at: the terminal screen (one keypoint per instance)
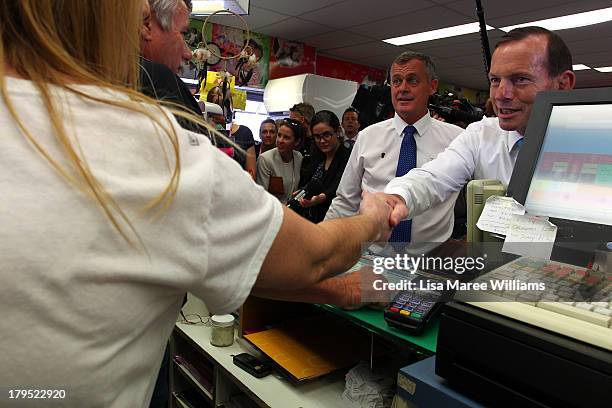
(573, 175)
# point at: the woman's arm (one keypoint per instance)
(336, 169)
(331, 180)
(304, 253)
(351, 290)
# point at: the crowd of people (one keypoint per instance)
(307, 152)
(115, 201)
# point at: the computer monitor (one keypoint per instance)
(564, 169)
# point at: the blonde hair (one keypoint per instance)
(96, 42)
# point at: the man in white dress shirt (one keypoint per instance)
(525, 61)
(374, 158)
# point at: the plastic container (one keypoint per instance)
(222, 330)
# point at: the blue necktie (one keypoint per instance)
(406, 162)
(519, 143)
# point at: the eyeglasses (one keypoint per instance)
(293, 124)
(194, 319)
(323, 136)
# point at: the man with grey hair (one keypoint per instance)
(163, 49)
(163, 36)
(392, 147)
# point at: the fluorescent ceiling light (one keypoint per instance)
(603, 69)
(207, 7)
(436, 34)
(569, 21)
(579, 67)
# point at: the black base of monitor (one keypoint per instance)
(503, 362)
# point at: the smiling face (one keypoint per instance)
(325, 137)
(286, 140)
(518, 72)
(410, 90)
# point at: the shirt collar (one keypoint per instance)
(353, 138)
(513, 137)
(421, 125)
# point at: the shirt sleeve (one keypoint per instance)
(427, 186)
(348, 194)
(263, 172)
(242, 224)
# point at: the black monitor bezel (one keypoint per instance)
(586, 235)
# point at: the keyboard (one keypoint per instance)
(573, 301)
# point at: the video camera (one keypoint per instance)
(454, 110)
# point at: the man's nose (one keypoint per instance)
(505, 89)
(186, 52)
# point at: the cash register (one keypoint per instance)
(553, 352)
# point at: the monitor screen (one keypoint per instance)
(572, 179)
(564, 170)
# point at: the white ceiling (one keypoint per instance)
(352, 30)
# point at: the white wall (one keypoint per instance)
(252, 116)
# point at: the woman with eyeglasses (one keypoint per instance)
(323, 173)
(278, 170)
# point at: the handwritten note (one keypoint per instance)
(529, 235)
(497, 213)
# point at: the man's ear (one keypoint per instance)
(146, 29)
(566, 80)
(434, 86)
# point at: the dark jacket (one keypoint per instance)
(330, 182)
(159, 82)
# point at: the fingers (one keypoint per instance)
(399, 212)
(363, 287)
(376, 206)
(318, 199)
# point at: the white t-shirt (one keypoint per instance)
(81, 309)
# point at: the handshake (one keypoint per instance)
(386, 210)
